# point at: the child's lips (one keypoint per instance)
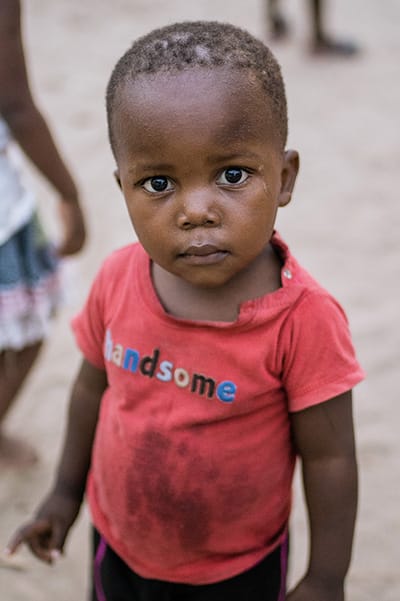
(203, 254)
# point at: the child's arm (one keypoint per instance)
(46, 533)
(30, 129)
(324, 438)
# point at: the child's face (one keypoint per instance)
(201, 170)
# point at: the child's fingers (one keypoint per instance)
(15, 541)
(34, 534)
(58, 536)
(47, 542)
(44, 553)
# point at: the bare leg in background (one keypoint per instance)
(321, 42)
(15, 366)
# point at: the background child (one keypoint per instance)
(211, 358)
(320, 41)
(29, 287)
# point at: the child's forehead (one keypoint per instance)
(199, 85)
(209, 106)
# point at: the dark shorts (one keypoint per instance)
(113, 580)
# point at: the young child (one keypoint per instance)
(29, 267)
(211, 358)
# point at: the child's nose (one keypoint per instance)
(198, 209)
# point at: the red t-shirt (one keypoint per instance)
(192, 463)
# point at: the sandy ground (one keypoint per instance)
(344, 226)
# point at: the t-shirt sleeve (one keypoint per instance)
(88, 325)
(320, 362)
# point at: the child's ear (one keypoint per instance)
(117, 178)
(289, 172)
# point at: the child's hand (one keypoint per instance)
(45, 535)
(309, 590)
(73, 227)
(41, 537)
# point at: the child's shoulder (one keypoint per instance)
(302, 287)
(118, 265)
(121, 257)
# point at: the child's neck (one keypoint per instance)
(186, 301)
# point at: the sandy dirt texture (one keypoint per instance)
(343, 224)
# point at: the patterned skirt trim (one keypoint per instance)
(30, 289)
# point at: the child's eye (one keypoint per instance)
(233, 175)
(159, 183)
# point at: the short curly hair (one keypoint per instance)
(208, 44)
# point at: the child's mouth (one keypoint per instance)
(203, 254)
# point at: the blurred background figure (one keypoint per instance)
(29, 278)
(321, 42)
